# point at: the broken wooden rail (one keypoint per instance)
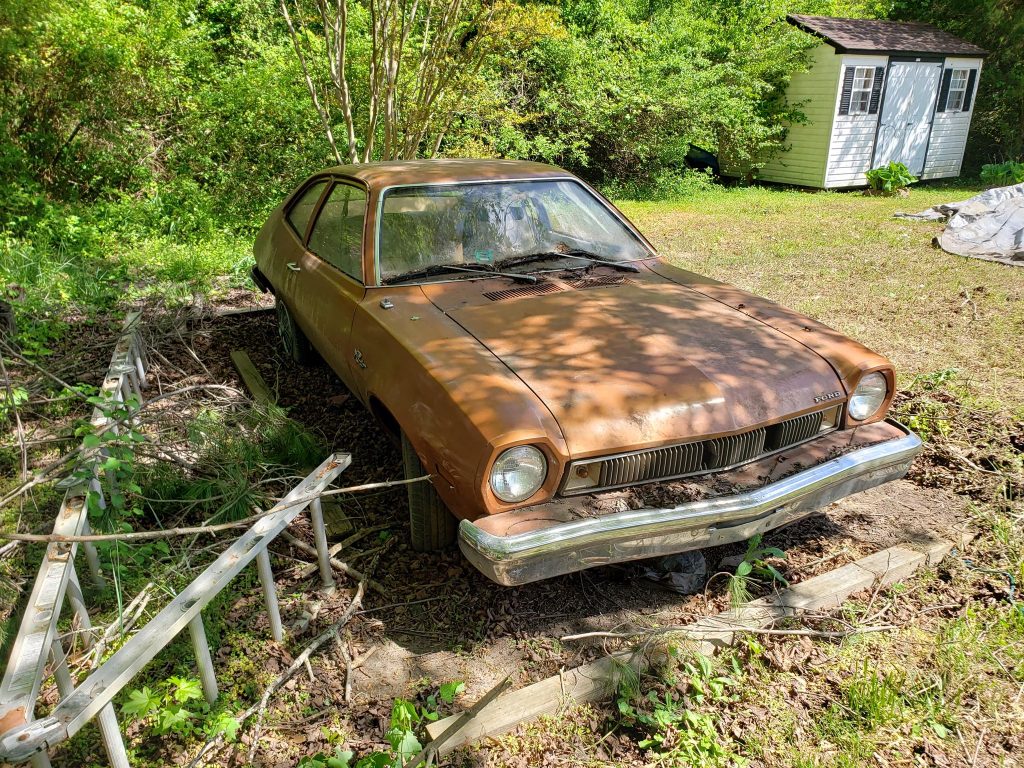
(599, 679)
(25, 739)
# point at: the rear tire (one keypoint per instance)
(294, 341)
(431, 526)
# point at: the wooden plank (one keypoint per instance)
(598, 680)
(251, 378)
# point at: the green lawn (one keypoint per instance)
(843, 259)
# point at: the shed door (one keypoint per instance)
(909, 102)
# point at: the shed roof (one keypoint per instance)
(875, 36)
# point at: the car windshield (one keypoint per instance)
(482, 225)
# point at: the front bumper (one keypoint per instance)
(563, 547)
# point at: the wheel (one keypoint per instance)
(294, 341)
(431, 525)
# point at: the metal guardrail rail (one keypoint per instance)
(25, 739)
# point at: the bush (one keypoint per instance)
(890, 178)
(1002, 174)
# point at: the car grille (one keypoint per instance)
(675, 461)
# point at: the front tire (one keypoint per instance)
(431, 526)
(294, 341)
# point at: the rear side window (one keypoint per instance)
(337, 235)
(302, 210)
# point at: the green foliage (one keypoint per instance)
(670, 722)
(406, 721)
(754, 565)
(233, 451)
(177, 707)
(890, 178)
(110, 455)
(1002, 174)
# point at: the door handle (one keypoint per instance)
(293, 266)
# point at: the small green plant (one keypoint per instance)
(755, 566)
(876, 698)
(890, 178)
(1002, 174)
(113, 450)
(403, 734)
(177, 707)
(670, 723)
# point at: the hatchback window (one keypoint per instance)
(487, 223)
(337, 235)
(302, 210)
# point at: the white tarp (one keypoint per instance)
(988, 226)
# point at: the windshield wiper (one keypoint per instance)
(440, 269)
(572, 253)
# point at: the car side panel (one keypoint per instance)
(455, 401)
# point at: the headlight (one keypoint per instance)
(518, 473)
(868, 397)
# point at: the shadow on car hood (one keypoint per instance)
(641, 361)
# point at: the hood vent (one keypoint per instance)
(580, 283)
(573, 283)
(536, 289)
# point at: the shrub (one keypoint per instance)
(890, 178)
(1002, 174)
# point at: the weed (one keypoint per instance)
(890, 178)
(177, 707)
(670, 721)
(403, 735)
(754, 565)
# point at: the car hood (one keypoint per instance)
(640, 361)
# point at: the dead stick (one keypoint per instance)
(738, 628)
(338, 564)
(301, 660)
(308, 570)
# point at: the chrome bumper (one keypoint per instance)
(573, 546)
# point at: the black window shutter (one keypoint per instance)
(876, 90)
(844, 99)
(947, 75)
(971, 79)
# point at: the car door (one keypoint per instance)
(328, 276)
(905, 122)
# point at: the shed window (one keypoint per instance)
(957, 90)
(860, 96)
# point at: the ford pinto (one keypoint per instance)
(575, 399)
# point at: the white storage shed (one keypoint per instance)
(877, 91)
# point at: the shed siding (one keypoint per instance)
(803, 162)
(949, 132)
(852, 145)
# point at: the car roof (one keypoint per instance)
(447, 171)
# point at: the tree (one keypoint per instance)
(418, 57)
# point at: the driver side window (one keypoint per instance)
(337, 235)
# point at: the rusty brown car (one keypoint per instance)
(575, 399)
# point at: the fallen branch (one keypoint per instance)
(299, 662)
(307, 570)
(345, 568)
(698, 631)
